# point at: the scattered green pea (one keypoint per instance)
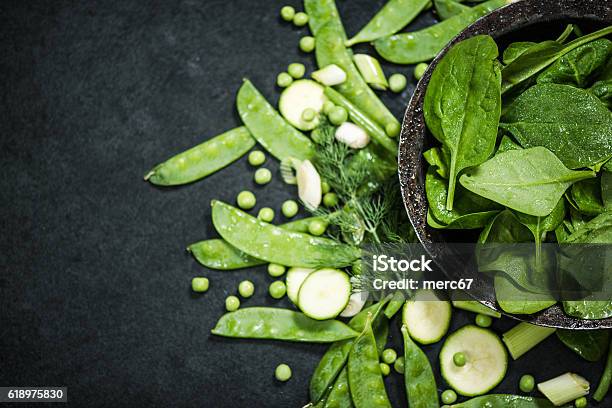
(199, 284)
(330, 199)
(300, 19)
(338, 115)
(263, 176)
(277, 289)
(397, 83)
(296, 70)
(398, 366)
(246, 200)
(325, 187)
(317, 227)
(419, 70)
(449, 397)
(287, 13)
(266, 214)
(483, 320)
(276, 270)
(581, 402)
(527, 383)
(385, 369)
(289, 208)
(232, 303)
(282, 372)
(246, 288)
(308, 114)
(392, 129)
(307, 43)
(389, 356)
(328, 106)
(257, 158)
(284, 80)
(459, 359)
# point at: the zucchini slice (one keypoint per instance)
(324, 294)
(295, 278)
(427, 317)
(299, 96)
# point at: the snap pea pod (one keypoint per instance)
(360, 118)
(203, 159)
(321, 12)
(419, 379)
(340, 393)
(267, 126)
(364, 375)
(504, 401)
(276, 245)
(449, 8)
(395, 304)
(606, 378)
(424, 45)
(395, 15)
(218, 254)
(280, 324)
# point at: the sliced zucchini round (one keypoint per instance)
(485, 365)
(295, 278)
(299, 96)
(427, 317)
(324, 294)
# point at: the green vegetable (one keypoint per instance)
(531, 181)
(515, 50)
(389, 356)
(246, 289)
(325, 187)
(588, 344)
(575, 124)
(246, 200)
(527, 383)
(603, 90)
(338, 115)
(606, 378)
(307, 44)
(257, 158)
(419, 379)
(317, 227)
(449, 397)
(330, 200)
(232, 303)
(280, 324)
(564, 388)
(449, 8)
(262, 176)
(371, 71)
(309, 114)
(426, 317)
(199, 284)
(287, 13)
(504, 401)
(203, 159)
(397, 83)
(300, 19)
(419, 70)
(289, 208)
(399, 365)
(395, 15)
(282, 372)
(276, 270)
(296, 70)
(587, 197)
(459, 359)
(283, 80)
(463, 113)
(385, 369)
(476, 307)
(539, 226)
(266, 214)
(425, 44)
(277, 289)
(523, 337)
(581, 402)
(324, 293)
(392, 129)
(269, 128)
(483, 320)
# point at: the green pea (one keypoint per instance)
(459, 359)
(527, 383)
(232, 303)
(325, 187)
(257, 158)
(328, 106)
(308, 114)
(296, 70)
(300, 19)
(385, 369)
(263, 176)
(289, 208)
(398, 366)
(397, 83)
(581, 402)
(483, 320)
(330, 200)
(338, 115)
(282, 372)
(246, 288)
(266, 214)
(276, 270)
(317, 227)
(392, 129)
(287, 13)
(389, 356)
(246, 200)
(284, 80)
(277, 289)
(307, 43)
(449, 397)
(199, 284)
(419, 70)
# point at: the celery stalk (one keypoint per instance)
(564, 388)
(523, 337)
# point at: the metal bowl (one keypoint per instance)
(526, 19)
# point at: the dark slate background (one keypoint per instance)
(94, 280)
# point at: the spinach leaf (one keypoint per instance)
(603, 90)
(606, 186)
(588, 309)
(436, 157)
(588, 344)
(516, 300)
(596, 231)
(530, 181)
(463, 104)
(570, 122)
(515, 50)
(579, 65)
(507, 144)
(586, 195)
(504, 228)
(539, 226)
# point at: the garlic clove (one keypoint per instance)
(352, 135)
(309, 185)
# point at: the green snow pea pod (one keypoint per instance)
(449, 8)
(424, 45)
(321, 12)
(420, 383)
(340, 393)
(280, 324)
(504, 401)
(269, 128)
(364, 375)
(203, 159)
(606, 378)
(395, 15)
(276, 245)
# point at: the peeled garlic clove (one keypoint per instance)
(355, 304)
(309, 185)
(352, 135)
